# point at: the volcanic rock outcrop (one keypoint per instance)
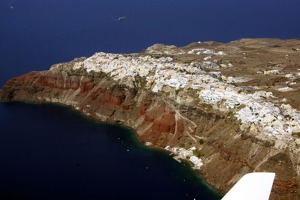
(229, 109)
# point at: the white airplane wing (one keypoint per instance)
(253, 186)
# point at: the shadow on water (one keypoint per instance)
(52, 152)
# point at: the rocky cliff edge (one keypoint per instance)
(229, 109)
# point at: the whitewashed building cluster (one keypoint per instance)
(186, 154)
(253, 110)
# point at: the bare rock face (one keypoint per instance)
(173, 117)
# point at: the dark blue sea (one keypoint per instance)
(51, 152)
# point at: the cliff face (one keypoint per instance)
(213, 138)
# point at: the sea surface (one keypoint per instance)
(34, 34)
(50, 152)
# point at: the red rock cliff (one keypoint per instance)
(226, 151)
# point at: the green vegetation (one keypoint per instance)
(139, 82)
(296, 134)
(276, 46)
(201, 141)
(206, 106)
(198, 153)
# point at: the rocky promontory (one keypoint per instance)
(228, 109)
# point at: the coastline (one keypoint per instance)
(133, 135)
(130, 135)
(169, 113)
